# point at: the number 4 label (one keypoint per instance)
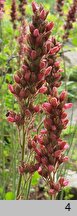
(68, 207)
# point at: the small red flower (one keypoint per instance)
(47, 107)
(48, 71)
(34, 6)
(11, 88)
(36, 33)
(27, 75)
(54, 50)
(63, 182)
(10, 119)
(51, 168)
(43, 89)
(17, 78)
(63, 95)
(43, 14)
(68, 105)
(49, 26)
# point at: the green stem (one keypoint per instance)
(54, 180)
(28, 190)
(23, 151)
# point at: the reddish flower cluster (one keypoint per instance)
(59, 6)
(53, 72)
(28, 168)
(40, 62)
(40, 73)
(13, 117)
(13, 13)
(21, 41)
(48, 145)
(22, 4)
(71, 18)
(1, 8)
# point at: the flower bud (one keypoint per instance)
(33, 54)
(44, 160)
(33, 144)
(54, 92)
(60, 70)
(65, 159)
(43, 131)
(31, 26)
(47, 123)
(38, 151)
(57, 153)
(68, 105)
(63, 95)
(39, 40)
(57, 187)
(52, 192)
(24, 67)
(49, 26)
(48, 71)
(54, 102)
(54, 50)
(48, 47)
(42, 64)
(17, 118)
(53, 128)
(40, 170)
(16, 78)
(43, 89)
(63, 182)
(22, 93)
(51, 168)
(63, 115)
(47, 107)
(34, 6)
(27, 75)
(63, 145)
(11, 88)
(57, 64)
(40, 139)
(43, 14)
(41, 76)
(27, 113)
(65, 122)
(36, 108)
(36, 33)
(10, 119)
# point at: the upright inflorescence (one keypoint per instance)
(22, 41)
(59, 6)
(13, 13)
(40, 73)
(48, 146)
(1, 8)
(71, 18)
(35, 68)
(22, 4)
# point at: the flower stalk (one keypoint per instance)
(22, 156)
